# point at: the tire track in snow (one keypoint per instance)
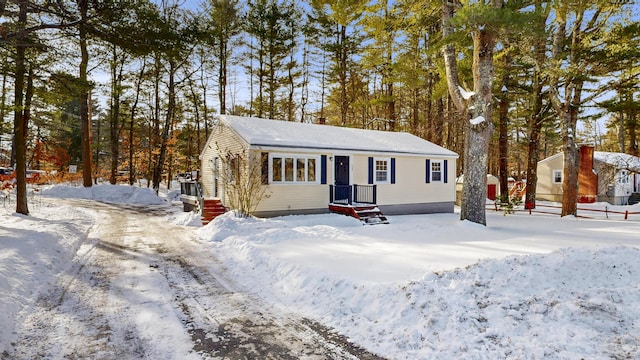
(141, 288)
(96, 309)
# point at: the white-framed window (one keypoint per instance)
(293, 168)
(557, 177)
(623, 177)
(436, 170)
(381, 171)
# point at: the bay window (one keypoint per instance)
(293, 169)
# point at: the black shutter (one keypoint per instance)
(427, 178)
(445, 172)
(370, 170)
(323, 169)
(393, 170)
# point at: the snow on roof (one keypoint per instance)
(619, 160)
(259, 132)
(560, 154)
(460, 179)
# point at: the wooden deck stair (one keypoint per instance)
(211, 209)
(368, 214)
(634, 199)
(518, 190)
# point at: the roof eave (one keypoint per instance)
(317, 149)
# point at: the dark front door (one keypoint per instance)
(342, 170)
(341, 173)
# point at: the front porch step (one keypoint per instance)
(369, 214)
(211, 209)
(634, 199)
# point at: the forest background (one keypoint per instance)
(130, 89)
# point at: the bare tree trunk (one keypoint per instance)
(388, 79)
(205, 111)
(84, 99)
(438, 122)
(568, 119)
(503, 139)
(431, 117)
(342, 73)
(222, 76)
(251, 74)
(155, 135)
(19, 121)
(114, 124)
(134, 108)
(568, 112)
(536, 121)
(621, 130)
(323, 85)
(415, 113)
(291, 86)
(157, 171)
(479, 128)
(570, 174)
(535, 129)
(304, 91)
(632, 124)
(3, 99)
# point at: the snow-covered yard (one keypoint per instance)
(421, 287)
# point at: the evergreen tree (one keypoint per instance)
(381, 26)
(624, 105)
(223, 27)
(269, 25)
(475, 104)
(338, 19)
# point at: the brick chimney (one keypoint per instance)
(587, 178)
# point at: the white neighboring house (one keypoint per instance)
(603, 176)
(618, 176)
(305, 167)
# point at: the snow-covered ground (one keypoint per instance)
(421, 287)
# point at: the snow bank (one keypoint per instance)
(33, 250)
(106, 193)
(422, 287)
(565, 303)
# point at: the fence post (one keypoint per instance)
(626, 214)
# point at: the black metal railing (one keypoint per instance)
(350, 194)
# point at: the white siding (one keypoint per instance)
(221, 140)
(410, 185)
(546, 189)
(298, 196)
(410, 176)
